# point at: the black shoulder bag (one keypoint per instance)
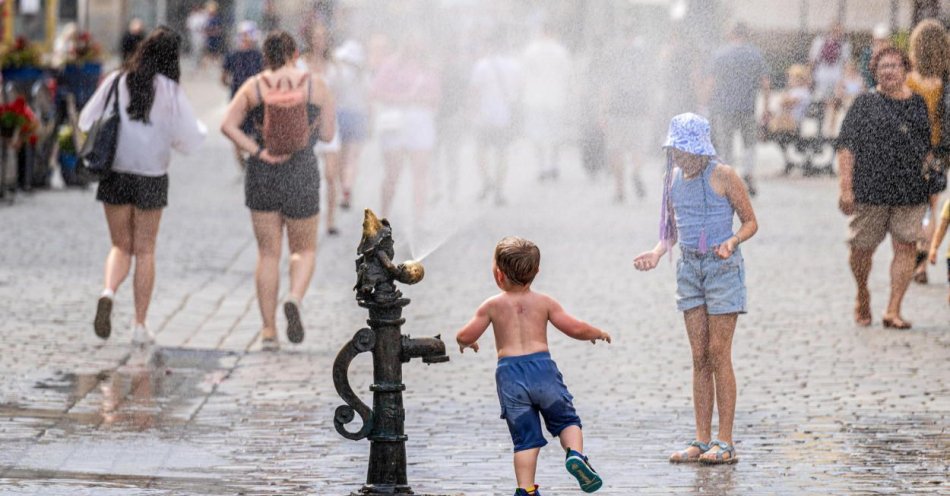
(98, 151)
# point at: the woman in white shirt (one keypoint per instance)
(155, 117)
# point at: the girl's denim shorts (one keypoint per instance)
(706, 279)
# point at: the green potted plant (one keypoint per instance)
(83, 68)
(68, 158)
(20, 61)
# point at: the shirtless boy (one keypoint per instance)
(527, 379)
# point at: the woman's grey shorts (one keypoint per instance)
(291, 188)
(706, 279)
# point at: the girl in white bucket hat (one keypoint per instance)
(700, 198)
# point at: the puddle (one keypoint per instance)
(155, 389)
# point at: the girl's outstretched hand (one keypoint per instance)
(647, 260)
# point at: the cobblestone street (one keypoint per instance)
(824, 407)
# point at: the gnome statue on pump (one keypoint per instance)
(375, 269)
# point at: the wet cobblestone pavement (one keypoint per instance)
(824, 407)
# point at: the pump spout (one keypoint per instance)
(430, 350)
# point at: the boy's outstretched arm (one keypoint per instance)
(574, 328)
(467, 337)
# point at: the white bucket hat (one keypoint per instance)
(690, 133)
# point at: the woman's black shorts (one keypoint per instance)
(144, 192)
(291, 188)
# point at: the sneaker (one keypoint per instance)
(294, 324)
(142, 336)
(269, 343)
(578, 466)
(523, 492)
(103, 321)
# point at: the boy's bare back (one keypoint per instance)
(520, 322)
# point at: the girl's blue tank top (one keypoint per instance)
(698, 207)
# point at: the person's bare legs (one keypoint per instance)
(419, 161)
(572, 437)
(526, 466)
(392, 161)
(145, 231)
(617, 166)
(860, 260)
(302, 241)
(697, 328)
(902, 270)
(268, 230)
(501, 159)
(638, 187)
(481, 158)
(350, 166)
(721, 330)
(334, 178)
(119, 260)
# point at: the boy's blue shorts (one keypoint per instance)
(529, 385)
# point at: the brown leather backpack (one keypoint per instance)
(286, 124)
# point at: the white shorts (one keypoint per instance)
(329, 146)
(417, 132)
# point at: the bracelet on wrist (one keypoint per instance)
(257, 154)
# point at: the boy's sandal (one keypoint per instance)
(683, 456)
(724, 449)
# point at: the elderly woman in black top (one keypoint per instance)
(883, 143)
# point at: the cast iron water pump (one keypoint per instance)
(384, 423)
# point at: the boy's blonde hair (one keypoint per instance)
(518, 258)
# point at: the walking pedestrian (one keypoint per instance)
(496, 84)
(547, 78)
(214, 34)
(155, 117)
(624, 110)
(700, 198)
(407, 92)
(195, 23)
(737, 72)
(351, 90)
(829, 54)
(239, 66)
(131, 39)
(318, 61)
(884, 140)
(930, 62)
(282, 183)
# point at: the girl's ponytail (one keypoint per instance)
(667, 217)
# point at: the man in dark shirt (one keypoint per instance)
(241, 65)
(131, 39)
(884, 140)
(246, 61)
(736, 73)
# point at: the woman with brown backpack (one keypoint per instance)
(290, 111)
